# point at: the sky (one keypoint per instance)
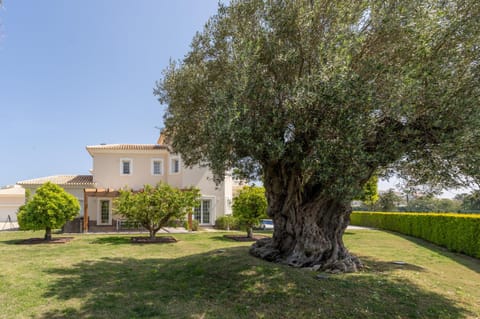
(78, 73)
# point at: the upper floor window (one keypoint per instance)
(157, 166)
(174, 165)
(125, 166)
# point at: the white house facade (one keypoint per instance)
(131, 166)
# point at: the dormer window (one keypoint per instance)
(125, 166)
(174, 165)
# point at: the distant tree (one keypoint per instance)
(431, 204)
(470, 201)
(249, 206)
(50, 208)
(314, 97)
(154, 207)
(388, 201)
(369, 194)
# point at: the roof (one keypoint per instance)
(126, 147)
(12, 191)
(65, 180)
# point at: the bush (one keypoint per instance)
(457, 232)
(194, 224)
(227, 222)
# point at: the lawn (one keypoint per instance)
(204, 275)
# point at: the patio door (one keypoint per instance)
(202, 213)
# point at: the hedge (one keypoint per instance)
(457, 232)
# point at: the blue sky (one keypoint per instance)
(77, 73)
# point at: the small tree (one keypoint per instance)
(51, 207)
(369, 194)
(154, 207)
(388, 201)
(249, 206)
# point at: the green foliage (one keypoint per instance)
(457, 232)
(388, 201)
(432, 204)
(249, 206)
(327, 92)
(227, 222)
(369, 194)
(194, 225)
(50, 208)
(154, 207)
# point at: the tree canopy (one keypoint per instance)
(154, 207)
(316, 96)
(51, 207)
(249, 206)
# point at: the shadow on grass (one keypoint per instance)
(467, 261)
(113, 240)
(232, 284)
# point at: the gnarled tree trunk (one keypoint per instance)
(308, 231)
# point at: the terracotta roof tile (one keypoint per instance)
(128, 147)
(61, 180)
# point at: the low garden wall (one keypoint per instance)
(457, 232)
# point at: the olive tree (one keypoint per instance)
(314, 97)
(154, 207)
(51, 207)
(249, 206)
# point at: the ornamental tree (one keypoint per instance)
(154, 207)
(249, 206)
(51, 207)
(314, 97)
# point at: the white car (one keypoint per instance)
(266, 224)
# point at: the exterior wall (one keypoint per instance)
(76, 191)
(202, 178)
(10, 200)
(107, 173)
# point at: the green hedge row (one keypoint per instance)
(457, 232)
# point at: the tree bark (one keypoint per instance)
(48, 233)
(152, 233)
(308, 230)
(249, 232)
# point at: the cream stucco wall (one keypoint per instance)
(76, 191)
(107, 173)
(10, 200)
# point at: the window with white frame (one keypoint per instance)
(174, 165)
(104, 212)
(126, 166)
(157, 166)
(203, 212)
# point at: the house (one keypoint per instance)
(11, 198)
(131, 166)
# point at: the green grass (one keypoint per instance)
(206, 276)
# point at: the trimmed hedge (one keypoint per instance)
(227, 222)
(457, 232)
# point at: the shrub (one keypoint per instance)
(194, 224)
(457, 232)
(227, 222)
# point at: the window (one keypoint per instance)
(203, 211)
(125, 166)
(157, 166)
(104, 214)
(174, 165)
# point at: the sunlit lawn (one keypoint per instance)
(207, 276)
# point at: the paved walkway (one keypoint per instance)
(8, 226)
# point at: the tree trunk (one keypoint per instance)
(308, 230)
(48, 233)
(249, 232)
(152, 233)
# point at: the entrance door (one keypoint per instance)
(202, 212)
